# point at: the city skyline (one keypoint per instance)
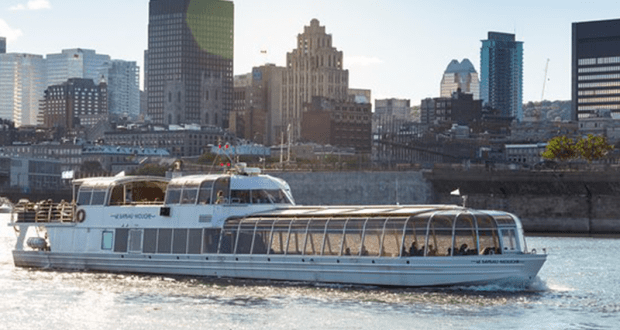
(397, 51)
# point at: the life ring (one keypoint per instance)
(80, 216)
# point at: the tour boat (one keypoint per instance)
(244, 224)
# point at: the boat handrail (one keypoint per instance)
(45, 211)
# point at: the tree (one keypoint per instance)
(561, 148)
(590, 148)
(593, 147)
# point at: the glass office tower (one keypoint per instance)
(596, 68)
(190, 62)
(501, 74)
(2, 45)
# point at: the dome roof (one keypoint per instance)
(464, 67)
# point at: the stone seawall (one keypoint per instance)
(546, 201)
(358, 188)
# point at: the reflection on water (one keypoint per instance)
(578, 288)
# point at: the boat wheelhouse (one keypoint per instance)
(246, 225)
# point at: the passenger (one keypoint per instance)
(364, 251)
(347, 252)
(220, 197)
(432, 251)
(463, 250)
(413, 250)
(404, 252)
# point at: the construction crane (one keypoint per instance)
(542, 97)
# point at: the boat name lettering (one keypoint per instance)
(140, 216)
(497, 261)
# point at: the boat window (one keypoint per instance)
(314, 237)
(120, 243)
(240, 197)
(179, 241)
(211, 240)
(415, 236)
(164, 241)
(505, 220)
(149, 244)
(106, 240)
(393, 238)
(84, 196)
(439, 236)
(509, 240)
(229, 236)
(279, 237)
(352, 240)
(204, 194)
(262, 237)
(373, 231)
(173, 194)
(221, 190)
(117, 196)
(190, 192)
(194, 241)
(147, 192)
(297, 236)
(135, 240)
(246, 232)
(98, 197)
(487, 235)
(464, 236)
(269, 197)
(333, 237)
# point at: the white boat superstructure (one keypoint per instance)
(244, 224)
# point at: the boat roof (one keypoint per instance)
(237, 181)
(360, 211)
(104, 182)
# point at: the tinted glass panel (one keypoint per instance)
(84, 197)
(164, 241)
(98, 198)
(173, 196)
(211, 240)
(195, 239)
(179, 244)
(150, 241)
(120, 243)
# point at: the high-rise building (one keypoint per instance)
(596, 68)
(190, 61)
(123, 80)
(501, 74)
(22, 82)
(461, 76)
(343, 124)
(397, 108)
(76, 102)
(314, 68)
(75, 63)
(2, 45)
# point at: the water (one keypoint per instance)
(578, 288)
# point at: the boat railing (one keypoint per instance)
(45, 212)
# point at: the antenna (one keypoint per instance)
(542, 97)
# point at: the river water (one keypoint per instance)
(578, 288)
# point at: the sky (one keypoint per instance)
(395, 48)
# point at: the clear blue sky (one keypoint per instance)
(396, 48)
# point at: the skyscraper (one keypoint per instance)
(75, 63)
(123, 79)
(314, 68)
(460, 75)
(501, 70)
(2, 45)
(596, 68)
(190, 61)
(22, 83)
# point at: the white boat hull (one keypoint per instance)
(407, 272)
